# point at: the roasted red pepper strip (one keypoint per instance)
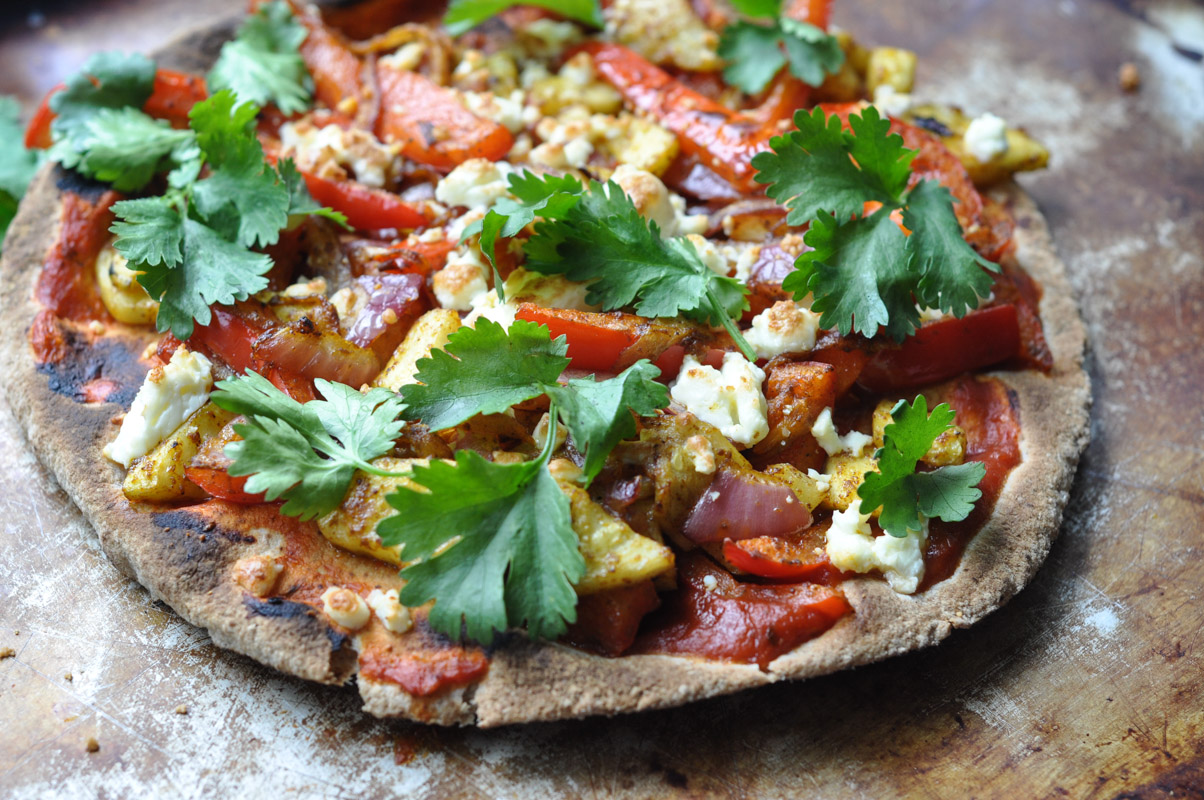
(366, 208)
(592, 344)
(229, 336)
(431, 124)
(816, 12)
(800, 557)
(222, 485)
(944, 349)
(607, 622)
(719, 137)
(174, 96)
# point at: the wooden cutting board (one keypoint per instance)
(1088, 684)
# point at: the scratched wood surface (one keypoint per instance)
(1089, 684)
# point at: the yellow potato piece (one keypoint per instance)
(120, 291)
(352, 526)
(158, 476)
(428, 333)
(615, 555)
(845, 473)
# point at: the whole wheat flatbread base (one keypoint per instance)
(186, 557)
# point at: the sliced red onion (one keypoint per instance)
(394, 302)
(742, 506)
(299, 348)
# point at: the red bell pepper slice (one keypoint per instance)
(800, 557)
(222, 485)
(229, 336)
(431, 124)
(943, 349)
(816, 12)
(593, 343)
(37, 135)
(365, 207)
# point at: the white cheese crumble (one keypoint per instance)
(326, 151)
(169, 395)
(459, 283)
(986, 137)
(346, 608)
(784, 327)
(824, 431)
(890, 101)
(476, 184)
(702, 454)
(852, 546)
(710, 582)
(730, 399)
(524, 286)
(823, 481)
(656, 203)
(392, 614)
(709, 254)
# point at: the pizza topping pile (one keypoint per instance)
(567, 325)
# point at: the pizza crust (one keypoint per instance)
(186, 557)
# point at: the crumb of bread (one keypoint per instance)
(1129, 77)
(91, 745)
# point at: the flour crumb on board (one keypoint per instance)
(181, 709)
(7, 652)
(1104, 620)
(91, 745)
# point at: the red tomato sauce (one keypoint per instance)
(421, 662)
(737, 621)
(986, 412)
(67, 284)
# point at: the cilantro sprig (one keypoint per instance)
(595, 235)
(492, 544)
(192, 245)
(548, 196)
(486, 370)
(908, 497)
(513, 555)
(262, 64)
(755, 52)
(307, 453)
(465, 14)
(864, 271)
(17, 165)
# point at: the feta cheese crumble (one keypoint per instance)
(730, 399)
(986, 137)
(824, 431)
(852, 546)
(476, 184)
(169, 395)
(784, 327)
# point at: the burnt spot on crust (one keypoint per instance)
(67, 180)
(277, 608)
(105, 369)
(342, 656)
(200, 527)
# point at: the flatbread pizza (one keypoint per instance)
(538, 364)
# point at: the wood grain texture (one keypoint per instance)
(1088, 684)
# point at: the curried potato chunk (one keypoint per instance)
(949, 449)
(120, 291)
(845, 474)
(158, 476)
(352, 525)
(429, 332)
(615, 555)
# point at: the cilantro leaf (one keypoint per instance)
(263, 63)
(308, 453)
(107, 80)
(484, 370)
(191, 246)
(758, 8)
(125, 147)
(864, 271)
(813, 54)
(213, 270)
(820, 166)
(149, 230)
(598, 413)
(465, 14)
(908, 497)
(858, 274)
(514, 558)
(753, 54)
(17, 165)
(548, 196)
(953, 277)
(604, 241)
